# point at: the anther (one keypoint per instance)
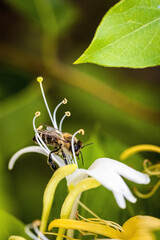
(36, 223)
(68, 114)
(39, 79)
(37, 114)
(81, 131)
(40, 127)
(64, 101)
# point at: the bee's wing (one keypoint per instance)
(50, 128)
(53, 134)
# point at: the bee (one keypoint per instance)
(61, 141)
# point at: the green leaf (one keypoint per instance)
(9, 225)
(128, 36)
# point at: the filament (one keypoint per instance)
(34, 226)
(40, 80)
(55, 111)
(38, 138)
(97, 218)
(153, 170)
(67, 114)
(41, 142)
(72, 144)
(147, 195)
(29, 233)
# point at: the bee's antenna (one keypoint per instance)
(86, 145)
(82, 158)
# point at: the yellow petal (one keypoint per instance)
(139, 226)
(139, 148)
(82, 186)
(85, 226)
(16, 238)
(48, 196)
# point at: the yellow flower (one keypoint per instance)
(136, 228)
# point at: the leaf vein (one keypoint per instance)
(125, 36)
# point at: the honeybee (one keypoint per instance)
(61, 141)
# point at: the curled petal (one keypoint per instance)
(29, 149)
(35, 149)
(103, 165)
(139, 148)
(108, 172)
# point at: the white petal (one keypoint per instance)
(124, 190)
(131, 174)
(76, 176)
(29, 149)
(121, 168)
(120, 200)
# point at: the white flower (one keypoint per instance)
(106, 171)
(109, 173)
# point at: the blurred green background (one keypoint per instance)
(117, 108)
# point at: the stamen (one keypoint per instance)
(67, 114)
(29, 232)
(153, 170)
(81, 131)
(40, 80)
(41, 142)
(147, 195)
(63, 236)
(38, 138)
(97, 218)
(40, 127)
(64, 100)
(37, 114)
(72, 144)
(34, 226)
(54, 113)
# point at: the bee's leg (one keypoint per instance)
(49, 160)
(65, 158)
(53, 166)
(82, 158)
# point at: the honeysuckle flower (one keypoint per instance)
(136, 228)
(149, 168)
(106, 171)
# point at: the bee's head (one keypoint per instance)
(77, 147)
